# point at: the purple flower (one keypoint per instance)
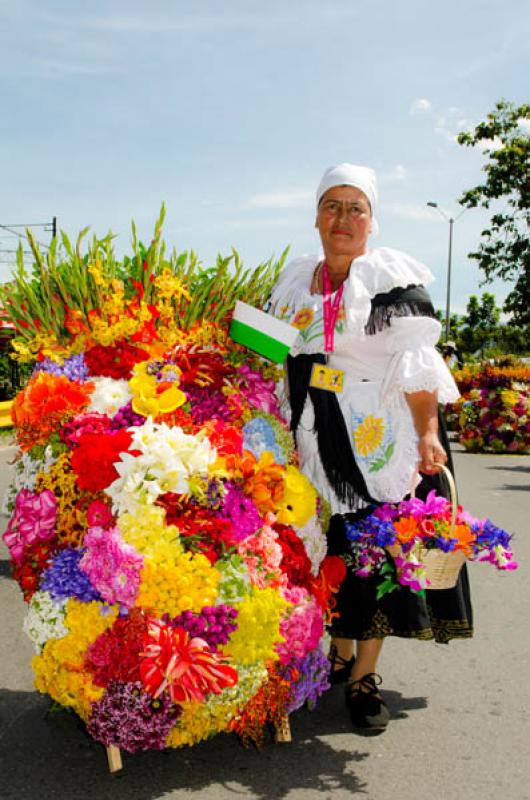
(214, 624)
(73, 368)
(241, 512)
(125, 417)
(63, 578)
(313, 671)
(130, 719)
(434, 505)
(207, 404)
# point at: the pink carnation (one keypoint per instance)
(303, 628)
(33, 520)
(114, 567)
(262, 556)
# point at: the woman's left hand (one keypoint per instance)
(431, 453)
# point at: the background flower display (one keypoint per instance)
(170, 551)
(493, 413)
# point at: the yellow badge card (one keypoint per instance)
(322, 377)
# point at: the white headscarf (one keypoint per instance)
(362, 178)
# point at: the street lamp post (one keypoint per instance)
(451, 221)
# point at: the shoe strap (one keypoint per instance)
(368, 682)
(336, 660)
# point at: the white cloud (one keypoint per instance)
(396, 173)
(491, 144)
(297, 198)
(524, 124)
(409, 211)
(420, 105)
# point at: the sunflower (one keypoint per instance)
(369, 435)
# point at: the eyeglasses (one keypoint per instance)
(335, 208)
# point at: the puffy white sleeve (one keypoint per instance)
(415, 364)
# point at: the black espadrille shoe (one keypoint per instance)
(365, 704)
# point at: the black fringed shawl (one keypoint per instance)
(333, 438)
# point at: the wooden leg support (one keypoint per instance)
(282, 730)
(114, 758)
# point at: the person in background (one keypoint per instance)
(452, 356)
(365, 312)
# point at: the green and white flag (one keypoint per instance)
(266, 335)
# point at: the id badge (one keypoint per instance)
(323, 377)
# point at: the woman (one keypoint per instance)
(364, 313)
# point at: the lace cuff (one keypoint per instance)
(416, 365)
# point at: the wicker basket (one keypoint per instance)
(441, 569)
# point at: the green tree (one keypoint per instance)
(504, 250)
(455, 323)
(480, 324)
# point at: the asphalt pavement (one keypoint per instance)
(460, 727)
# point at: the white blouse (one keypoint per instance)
(378, 369)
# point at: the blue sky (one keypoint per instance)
(230, 111)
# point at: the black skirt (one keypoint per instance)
(442, 615)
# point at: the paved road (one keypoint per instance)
(460, 728)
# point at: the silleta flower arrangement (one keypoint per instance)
(169, 549)
(493, 414)
(413, 529)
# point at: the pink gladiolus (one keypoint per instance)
(33, 520)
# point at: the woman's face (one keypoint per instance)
(344, 221)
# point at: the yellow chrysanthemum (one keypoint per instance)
(59, 670)
(147, 532)
(299, 501)
(369, 434)
(188, 584)
(258, 631)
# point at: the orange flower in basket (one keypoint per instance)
(465, 538)
(406, 529)
(46, 403)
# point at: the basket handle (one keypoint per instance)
(452, 489)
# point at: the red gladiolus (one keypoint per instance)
(185, 667)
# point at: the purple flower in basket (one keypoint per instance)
(434, 505)
(411, 573)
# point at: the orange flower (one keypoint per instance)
(264, 481)
(465, 537)
(46, 403)
(406, 529)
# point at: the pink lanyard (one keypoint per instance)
(330, 309)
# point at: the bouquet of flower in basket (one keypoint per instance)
(169, 549)
(493, 413)
(412, 532)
